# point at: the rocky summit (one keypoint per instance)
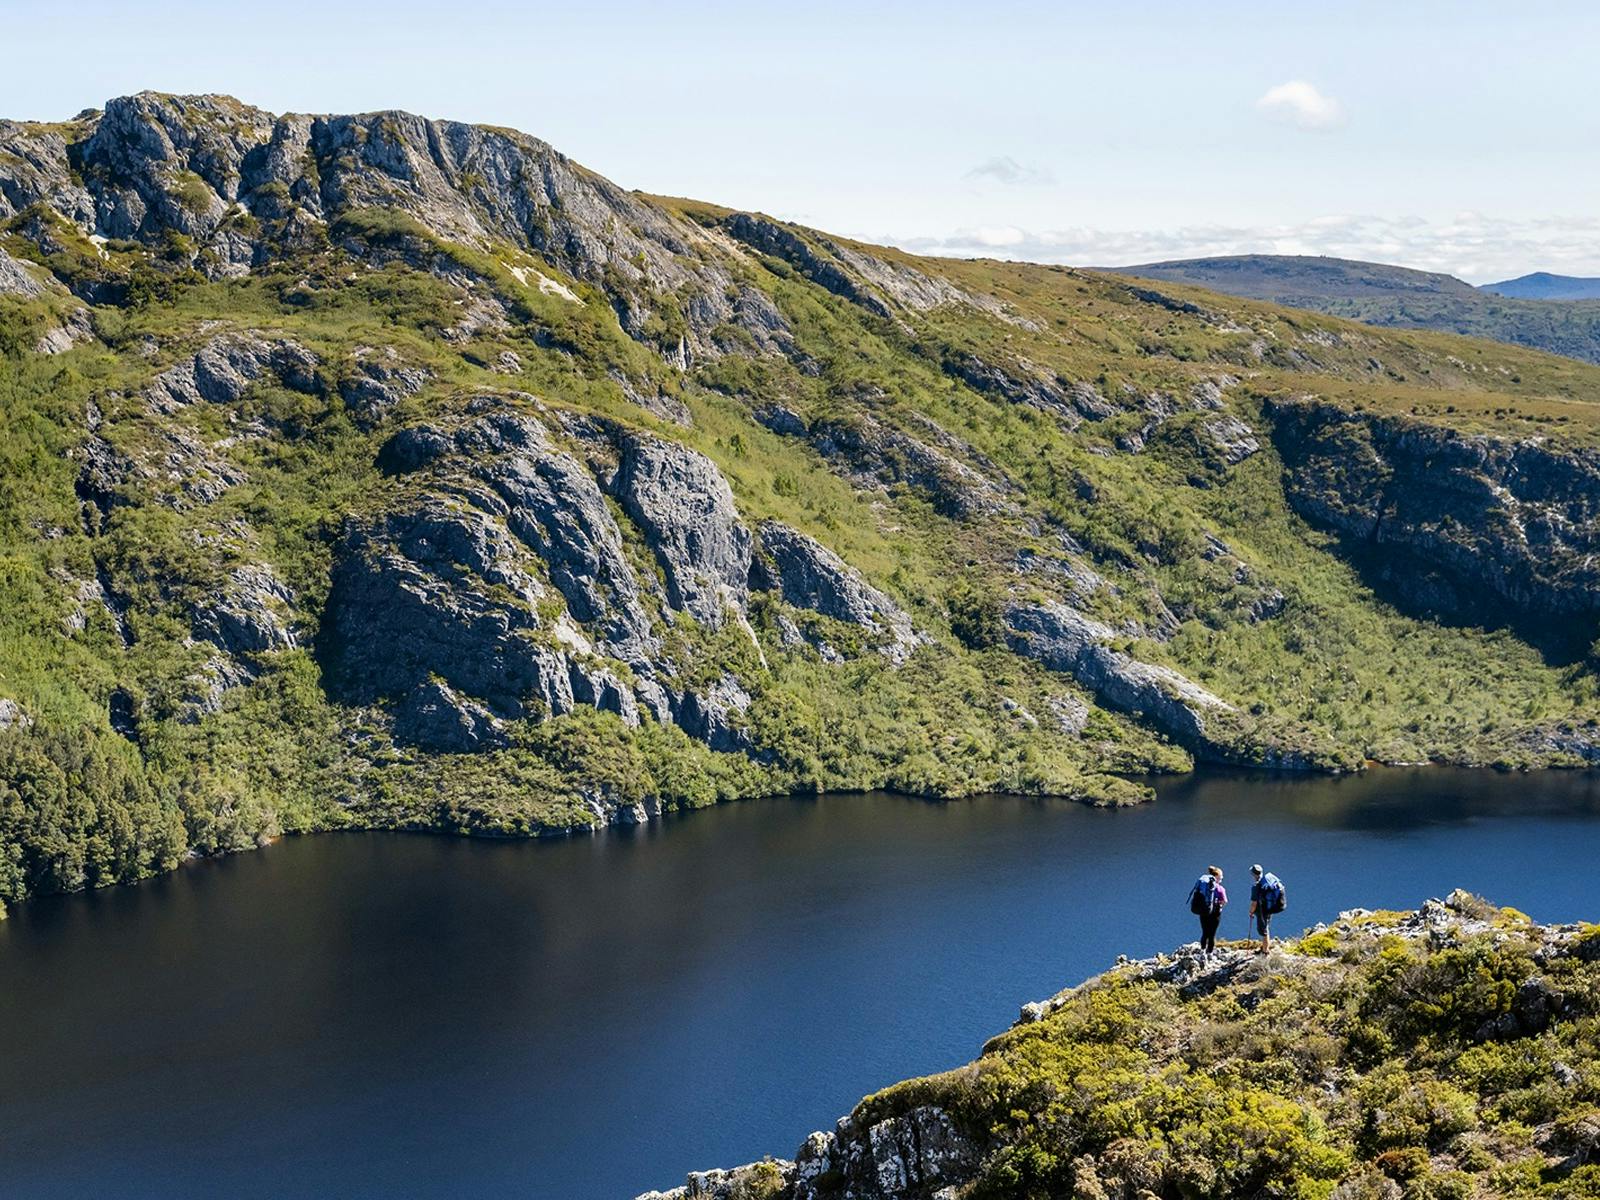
(1442, 1052)
(379, 471)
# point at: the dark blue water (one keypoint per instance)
(383, 1015)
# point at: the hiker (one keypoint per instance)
(1206, 900)
(1266, 901)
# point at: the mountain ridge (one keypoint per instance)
(1401, 297)
(374, 471)
(1542, 285)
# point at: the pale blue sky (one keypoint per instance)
(1461, 136)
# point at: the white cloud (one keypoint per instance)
(1475, 247)
(997, 237)
(1007, 170)
(1301, 104)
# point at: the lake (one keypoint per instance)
(389, 1015)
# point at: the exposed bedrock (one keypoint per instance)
(685, 508)
(1470, 526)
(497, 584)
(1064, 640)
(809, 575)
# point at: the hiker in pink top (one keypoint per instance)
(1206, 900)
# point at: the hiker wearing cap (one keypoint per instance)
(1206, 900)
(1266, 901)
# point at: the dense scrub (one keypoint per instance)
(1444, 1053)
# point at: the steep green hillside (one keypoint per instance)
(1547, 312)
(1445, 1053)
(374, 471)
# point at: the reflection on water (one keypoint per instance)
(369, 1014)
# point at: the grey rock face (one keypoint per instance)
(874, 453)
(815, 264)
(1577, 743)
(909, 287)
(226, 367)
(442, 605)
(34, 169)
(76, 328)
(809, 575)
(714, 716)
(197, 165)
(1453, 519)
(1071, 714)
(155, 163)
(1235, 440)
(685, 507)
(247, 614)
(914, 1154)
(1063, 639)
(737, 1183)
(378, 380)
(1021, 383)
(434, 715)
(433, 608)
(556, 507)
(18, 280)
(1067, 570)
(13, 715)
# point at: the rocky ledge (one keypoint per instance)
(1448, 1045)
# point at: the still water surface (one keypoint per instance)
(384, 1015)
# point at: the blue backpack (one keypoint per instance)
(1203, 896)
(1273, 898)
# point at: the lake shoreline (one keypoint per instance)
(644, 815)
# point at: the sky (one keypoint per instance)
(1460, 137)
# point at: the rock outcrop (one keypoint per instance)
(685, 508)
(917, 1153)
(18, 280)
(378, 379)
(1063, 639)
(497, 585)
(872, 453)
(809, 575)
(238, 183)
(226, 367)
(1467, 525)
(446, 588)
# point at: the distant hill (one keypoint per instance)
(1291, 279)
(1380, 294)
(1542, 285)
